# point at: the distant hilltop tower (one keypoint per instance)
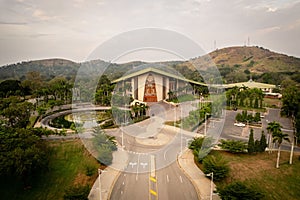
(215, 45)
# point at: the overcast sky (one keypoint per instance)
(72, 29)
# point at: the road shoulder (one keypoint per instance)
(198, 178)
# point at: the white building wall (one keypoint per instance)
(167, 87)
(141, 86)
(158, 84)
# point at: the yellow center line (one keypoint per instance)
(153, 192)
(153, 179)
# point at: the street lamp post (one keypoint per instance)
(211, 184)
(99, 172)
(205, 128)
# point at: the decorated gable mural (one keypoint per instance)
(150, 90)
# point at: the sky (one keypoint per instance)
(73, 29)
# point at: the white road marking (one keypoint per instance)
(180, 179)
(121, 192)
(123, 183)
(165, 155)
(168, 178)
(137, 168)
(132, 164)
(144, 165)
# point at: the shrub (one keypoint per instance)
(196, 143)
(251, 144)
(239, 190)
(201, 147)
(233, 146)
(216, 164)
(90, 170)
(105, 156)
(77, 192)
(262, 142)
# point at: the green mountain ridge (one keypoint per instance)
(234, 63)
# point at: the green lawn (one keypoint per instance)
(258, 171)
(68, 165)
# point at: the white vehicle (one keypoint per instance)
(239, 124)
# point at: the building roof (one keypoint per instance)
(250, 84)
(158, 71)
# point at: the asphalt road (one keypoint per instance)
(137, 180)
(170, 183)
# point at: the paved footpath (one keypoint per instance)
(108, 177)
(198, 178)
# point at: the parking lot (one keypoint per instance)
(230, 131)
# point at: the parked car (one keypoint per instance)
(240, 124)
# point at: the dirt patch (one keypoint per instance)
(81, 179)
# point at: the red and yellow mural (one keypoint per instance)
(150, 90)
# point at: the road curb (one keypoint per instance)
(190, 178)
(113, 184)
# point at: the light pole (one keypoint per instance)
(205, 128)
(211, 174)
(99, 172)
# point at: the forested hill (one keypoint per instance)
(48, 68)
(237, 63)
(234, 63)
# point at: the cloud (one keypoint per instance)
(40, 14)
(12, 23)
(36, 35)
(268, 30)
(272, 9)
(294, 25)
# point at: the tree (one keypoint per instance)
(256, 117)
(18, 114)
(291, 108)
(251, 144)
(239, 117)
(22, 154)
(262, 142)
(33, 81)
(77, 192)
(238, 190)
(216, 164)
(10, 87)
(273, 128)
(257, 146)
(279, 137)
(105, 145)
(233, 146)
(103, 91)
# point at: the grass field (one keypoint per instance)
(272, 103)
(258, 171)
(68, 165)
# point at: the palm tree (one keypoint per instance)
(273, 128)
(279, 137)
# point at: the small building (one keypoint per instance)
(266, 88)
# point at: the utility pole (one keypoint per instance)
(211, 174)
(215, 45)
(293, 140)
(99, 172)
